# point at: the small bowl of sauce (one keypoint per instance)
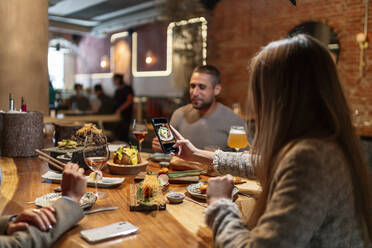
(175, 197)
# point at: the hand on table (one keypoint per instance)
(43, 218)
(220, 187)
(73, 182)
(156, 145)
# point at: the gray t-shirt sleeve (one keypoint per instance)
(176, 118)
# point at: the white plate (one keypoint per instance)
(87, 201)
(64, 157)
(194, 190)
(107, 182)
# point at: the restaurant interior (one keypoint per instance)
(51, 48)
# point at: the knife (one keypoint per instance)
(92, 211)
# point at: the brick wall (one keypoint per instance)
(238, 28)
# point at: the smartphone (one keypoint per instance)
(164, 134)
(107, 232)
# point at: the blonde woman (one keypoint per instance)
(316, 188)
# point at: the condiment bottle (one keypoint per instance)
(11, 102)
(23, 105)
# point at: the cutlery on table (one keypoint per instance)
(92, 211)
(196, 202)
(245, 194)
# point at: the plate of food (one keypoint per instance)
(87, 130)
(199, 190)
(67, 144)
(148, 195)
(103, 182)
(87, 201)
(76, 143)
(126, 161)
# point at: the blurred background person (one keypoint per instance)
(52, 96)
(106, 103)
(79, 101)
(123, 100)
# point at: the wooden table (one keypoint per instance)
(180, 225)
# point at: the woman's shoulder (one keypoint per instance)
(315, 146)
(313, 154)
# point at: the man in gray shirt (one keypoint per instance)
(205, 122)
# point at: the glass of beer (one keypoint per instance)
(139, 130)
(237, 138)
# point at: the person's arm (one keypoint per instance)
(4, 220)
(295, 211)
(67, 214)
(126, 104)
(237, 164)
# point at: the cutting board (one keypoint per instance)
(181, 180)
(135, 206)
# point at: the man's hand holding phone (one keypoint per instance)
(165, 136)
(156, 147)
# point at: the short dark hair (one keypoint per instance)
(120, 77)
(210, 70)
(77, 86)
(98, 87)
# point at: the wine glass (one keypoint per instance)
(96, 154)
(139, 130)
(237, 138)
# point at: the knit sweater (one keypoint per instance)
(310, 202)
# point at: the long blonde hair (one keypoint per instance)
(296, 94)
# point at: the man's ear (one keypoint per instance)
(217, 89)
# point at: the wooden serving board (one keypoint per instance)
(62, 150)
(181, 180)
(135, 206)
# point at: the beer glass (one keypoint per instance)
(237, 138)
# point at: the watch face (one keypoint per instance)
(165, 134)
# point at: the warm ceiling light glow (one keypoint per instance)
(148, 60)
(104, 63)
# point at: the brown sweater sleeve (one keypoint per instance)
(301, 195)
(68, 213)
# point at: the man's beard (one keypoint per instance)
(201, 105)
